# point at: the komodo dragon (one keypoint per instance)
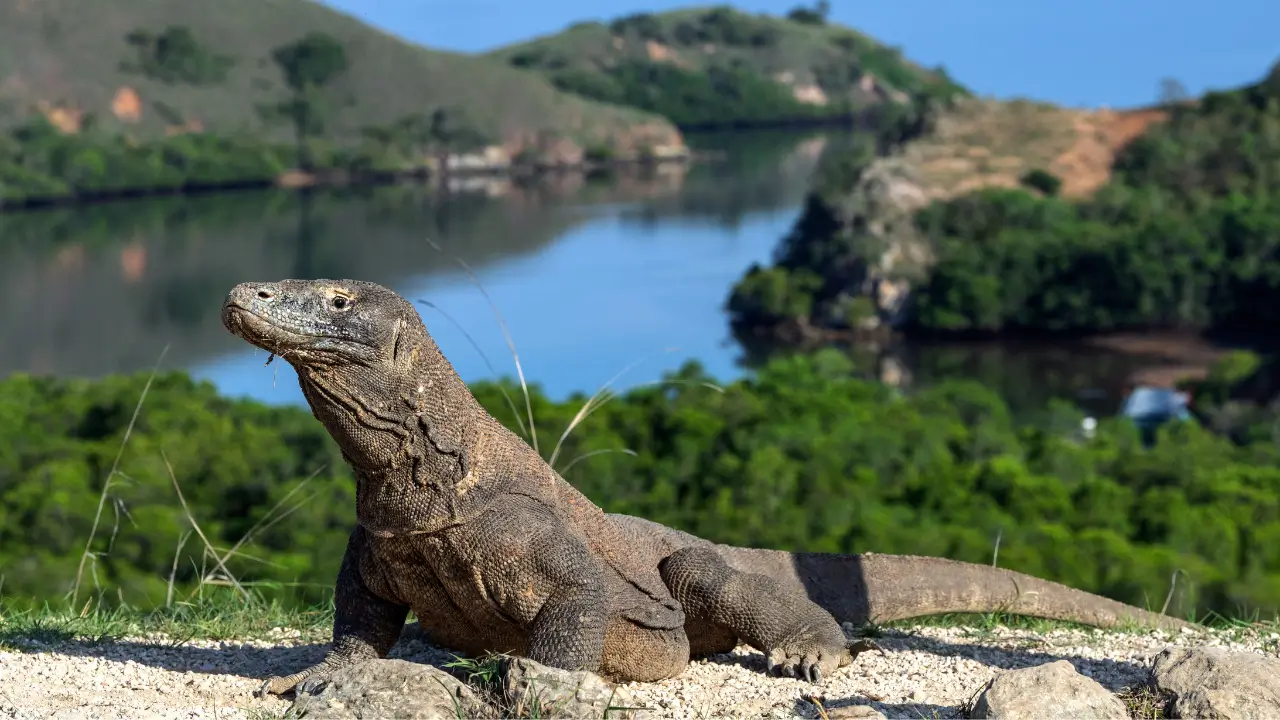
(462, 522)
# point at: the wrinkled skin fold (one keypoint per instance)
(460, 521)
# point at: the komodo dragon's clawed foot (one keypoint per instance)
(808, 658)
(811, 654)
(857, 647)
(305, 681)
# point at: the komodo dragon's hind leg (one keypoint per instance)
(365, 626)
(798, 638)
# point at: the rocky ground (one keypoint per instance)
(924, 672)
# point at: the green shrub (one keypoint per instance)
(802, 455)
(1041, 180)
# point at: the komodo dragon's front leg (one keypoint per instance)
(540, 575)
(365, 626)
(798, 637)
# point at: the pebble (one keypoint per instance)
(925, 672)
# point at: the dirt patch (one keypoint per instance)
(811, 94)
(1175, 357)
(664, 54)
(126, 105)
(66, 119)
(1086, 165)
(987, 143)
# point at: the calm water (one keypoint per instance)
(590, 276)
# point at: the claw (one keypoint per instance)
(281, 685)
(861, 646)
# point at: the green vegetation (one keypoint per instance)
(719, 66)
(37, 161)
(309, 65)
(162, 95)
(801, 456)
(1183, 236)
(816, 15)
(175, 56)
(1042, 180)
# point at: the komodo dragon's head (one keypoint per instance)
(370, 372)
(326, 323)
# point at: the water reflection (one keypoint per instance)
(103, 289)
(591, 274)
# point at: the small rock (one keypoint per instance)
(552, 692)
(1218, 683)
(1050, 690)
(855, 712)
(390, 689)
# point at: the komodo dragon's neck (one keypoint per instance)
(392, 423)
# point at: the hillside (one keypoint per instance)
(1025, 218)
(113, 62)
(982, 143)
(718, 66)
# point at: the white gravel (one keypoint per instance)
(926, 672)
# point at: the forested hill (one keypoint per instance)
(151, 67)
(712, 66)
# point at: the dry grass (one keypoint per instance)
(1143, 703)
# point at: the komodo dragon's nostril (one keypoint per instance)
(265, 294)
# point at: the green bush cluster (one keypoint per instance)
(1125, 260)
(800, 456)
(38, 161)
(717, 95)
(174, 56)
(1183, 236)
(720, 25)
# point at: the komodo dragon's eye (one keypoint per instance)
(339, 302)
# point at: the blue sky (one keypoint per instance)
(1079, 53)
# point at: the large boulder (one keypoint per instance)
(1213, 682)
(1051, 690)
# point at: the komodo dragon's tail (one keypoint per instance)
(883, 588)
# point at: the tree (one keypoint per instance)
(1172, 91)
(174, 56)
(815, 15)
(309, 65)
(451, 131)
(1042, 180)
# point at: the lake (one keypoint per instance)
(591, 275)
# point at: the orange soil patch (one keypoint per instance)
(126, 105)
(986, 143)
(1086, 165)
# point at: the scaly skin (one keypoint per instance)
(462, 522)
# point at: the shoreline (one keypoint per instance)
(322, 179)
(467, 167)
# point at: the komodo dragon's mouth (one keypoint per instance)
(261, 331)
